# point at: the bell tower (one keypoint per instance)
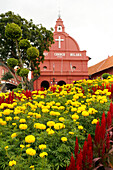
(59, 27)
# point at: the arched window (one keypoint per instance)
(59, 28)
(74, 68)
(45, 68)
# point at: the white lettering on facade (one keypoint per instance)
(75, 54)
(59, 54)
(59, 41)
(45, 54)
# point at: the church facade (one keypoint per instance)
(64, 63)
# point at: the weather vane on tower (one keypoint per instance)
(59, 10)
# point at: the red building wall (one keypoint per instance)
(64, 62)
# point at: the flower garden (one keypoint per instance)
(64, 127)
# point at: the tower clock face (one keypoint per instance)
(59, 28)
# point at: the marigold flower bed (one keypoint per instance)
(38, 129)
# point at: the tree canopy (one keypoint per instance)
(23, 40)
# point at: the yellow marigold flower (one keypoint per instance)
(45, 110)
(42, 126)
(38, 115)
(61, 108)
(22, 120)
(71, 133)
(43, 154)
(53, 113)
(75, 116)
(61, 119)
(77, 123)
(108, 93)
(80, 127)
(1, 114)
(7, 111)
(92, 111)
(8, 118)
(42, 146)
(22, 146)
(50, 123)
(28, 145)
(85, 113)
(30, 151)
(13, 135)
(58, 126)
(51, 132)
(58, 104)
(23, 126)
(3, 122)
(14, 124)
(32, 166)
(11, 163)
(16, 118)
(63, 139)
(30, 114)
(6, 147)
(30, 139)
(94, 121)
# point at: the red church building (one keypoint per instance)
(64, 63)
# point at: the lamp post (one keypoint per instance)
(53, 81)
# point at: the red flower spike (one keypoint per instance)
(84, 153)
(89, 141)
(111, 109)
(103, 127)
(76, 147)
(72, 163)
(90, 157)
(97, 134)
(79, 160)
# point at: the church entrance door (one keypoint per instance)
(45, 84)
(60, 83)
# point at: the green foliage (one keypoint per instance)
(12, 62)
(32, 53)
(40, 37)
(24, 72)
(13, 31)
(7, 76)
(18, 71)
(105, 75)
(14, 27)
(24, 44)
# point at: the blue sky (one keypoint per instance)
(89, 22)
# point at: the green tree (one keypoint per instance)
(16, 36)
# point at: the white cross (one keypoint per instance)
(59, 40)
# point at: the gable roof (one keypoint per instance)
(103, 65)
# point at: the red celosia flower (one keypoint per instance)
(72, 163)
(90, 157)
(76, 147)
(79, 160)
(89, 141)
(84, 153)
(103, 126)
(97, 133)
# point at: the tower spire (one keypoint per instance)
(59, 15)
